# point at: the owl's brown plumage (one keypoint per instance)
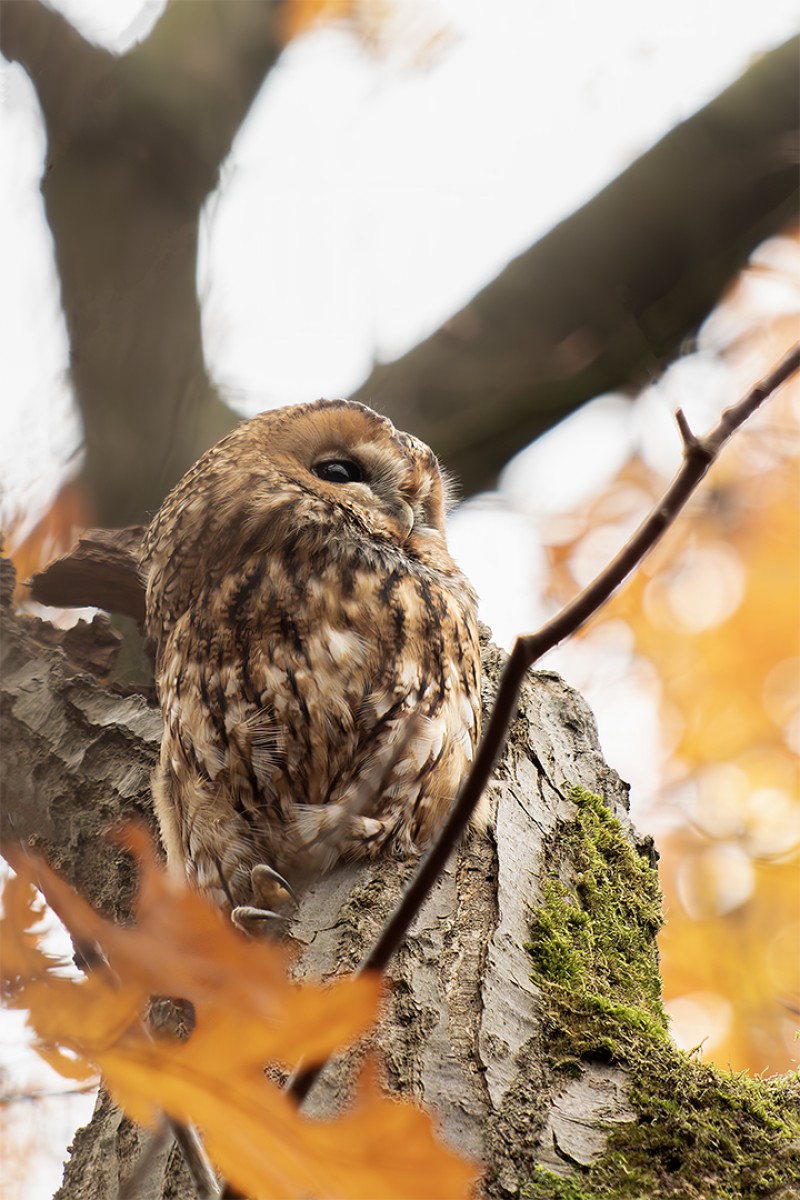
(317, 656)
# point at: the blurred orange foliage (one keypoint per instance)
(248, 1014)
(54, 533)
(411, 33)
(715, 612)
(297, 16)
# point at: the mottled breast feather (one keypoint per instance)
(317, 656)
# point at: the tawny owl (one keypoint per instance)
(317, 657)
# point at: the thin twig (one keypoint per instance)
(55, 1094)
(698, 456)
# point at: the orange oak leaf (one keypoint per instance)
(248, 1014)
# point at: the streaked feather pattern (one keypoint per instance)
(317, 655)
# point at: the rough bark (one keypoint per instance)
(101, 571)
(76, 758)
(134, 148)
(462, 1029)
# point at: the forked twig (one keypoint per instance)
(698, 455)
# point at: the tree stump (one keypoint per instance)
(514, 1005)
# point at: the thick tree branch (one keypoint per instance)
(67, 71)
(135, 144)
(698, 457)
(202, 68)
(606, 298)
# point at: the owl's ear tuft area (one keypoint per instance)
(451, 490)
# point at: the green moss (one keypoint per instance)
(593, 942)
(700, 1133)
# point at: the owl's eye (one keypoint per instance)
(338, 470)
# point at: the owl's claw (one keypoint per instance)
(255, 921)
(270, 892)
(268, 884)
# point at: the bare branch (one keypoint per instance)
(201, 69)
(698, 456)
(689, 440)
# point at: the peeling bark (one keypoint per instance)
(76, 757)
(101, 571)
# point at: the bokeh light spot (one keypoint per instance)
(716, 881)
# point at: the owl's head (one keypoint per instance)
(312, 475)
(349, 470)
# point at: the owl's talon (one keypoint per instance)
(255, 921)
(268, 884)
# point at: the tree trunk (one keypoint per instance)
(531, 1066)
(134, 147)
(464, 1030)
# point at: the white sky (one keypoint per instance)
(363, 203)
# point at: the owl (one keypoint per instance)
(317, 656)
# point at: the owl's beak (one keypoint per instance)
(405, 518)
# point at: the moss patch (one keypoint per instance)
(701, 1133)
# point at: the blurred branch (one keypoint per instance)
(202, 68)
(135, 143)
(61, 64)
(699, 454)
(608, 296)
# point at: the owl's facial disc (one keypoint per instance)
(382, 481)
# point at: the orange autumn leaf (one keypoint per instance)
(52, 535)
(298, 16)
(248, 1014)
